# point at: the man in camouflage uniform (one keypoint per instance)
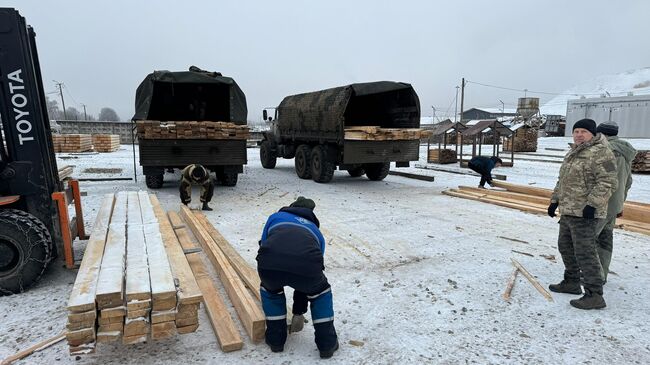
(587, 180)
(624, 153)
(199, 175)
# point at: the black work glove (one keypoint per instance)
(589, 212)
(551, 209)
(619, 215)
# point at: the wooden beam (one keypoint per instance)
(546, 193)
(532, 280)
(508, 195)
(220, 319)
(82, 297)
(34, 348)
(110, 284)
(175, 220)
(510, 284)
(246, 307)
(245, 271)
(138, 285)
(412, 176)
(188, 289)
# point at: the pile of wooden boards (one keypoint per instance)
(134, 279)
(641, 162)
(191, 130)
(375, 133)
(525, 140)
(442, 156)
(106, 142)
(65, 172)
(636, 215)
(72, 142)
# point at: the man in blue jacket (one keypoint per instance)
(291, 254)
(484, 165)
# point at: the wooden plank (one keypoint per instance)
(510, 285)
(82, 297)
(34, 348)
(412, 176)
(76, 338)
(175, 220)
(546, 193)
(138, 285)
(245, 271)
(110, 284)
(495, 202)
(508, 194)
(163, 289)
(532, 280)
(188, 289)
(220, 319)
(163, 330)
(82, 317)
(163, 316)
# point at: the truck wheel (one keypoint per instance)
(377, 171)
(25, 250)
(267, 156)
(303, 161)
(227, 178)
(356, 172)
(322, 169)
(154, 181)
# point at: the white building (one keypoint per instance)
(631, 113)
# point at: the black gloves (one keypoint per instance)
(589, 212)
(551, 209)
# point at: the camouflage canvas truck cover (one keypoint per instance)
(360, 128)
(179, 107)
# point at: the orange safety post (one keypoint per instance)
(76, 194)
(64, 223)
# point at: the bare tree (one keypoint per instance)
(53, 110)
(108, 114)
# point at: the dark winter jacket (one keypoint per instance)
(483, 165)
(291, 242)
(624, 153)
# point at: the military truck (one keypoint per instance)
(311, 128)
(194, 95)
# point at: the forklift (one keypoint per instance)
(35, 224)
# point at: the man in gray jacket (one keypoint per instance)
(624, 153)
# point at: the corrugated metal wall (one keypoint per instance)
(632, 113)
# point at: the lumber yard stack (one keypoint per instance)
(106, 142)
(445, 156)
(525, 140)
(375, 133)
(72, 142)
(641, 162)
(191, 130)
(635, 218)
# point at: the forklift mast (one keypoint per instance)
(28, 165)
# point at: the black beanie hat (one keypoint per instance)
(303, 202)
(587, 124)
(608, 128)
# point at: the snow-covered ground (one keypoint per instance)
(417, 276)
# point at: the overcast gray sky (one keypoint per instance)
(102, 50)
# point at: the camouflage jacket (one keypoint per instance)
(624, 153)
(587, 177)
(186, 174)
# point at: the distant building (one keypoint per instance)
(631, 113)
(488, 113)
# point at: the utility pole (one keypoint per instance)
(456, 108)
(433, 118)
(85, 115)
(503, 108)
(462, 99)
(58, 84)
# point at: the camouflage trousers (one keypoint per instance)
(578, 247)
(605, 241)
(207, 190)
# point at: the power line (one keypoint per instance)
(526, 90)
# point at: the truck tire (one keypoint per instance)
(267, 156)
(227, 178)
(303, 161)
(377, 171)
(154, 181)
(356, 172)
(322, 169)
(25, 250)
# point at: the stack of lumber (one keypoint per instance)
(641, 162)
(636, 215)
(525, 140)
(191, 130)
(445, 156)
(133, 280)
(65, 172)
(72, 142)
(106, 142)
(375, 133)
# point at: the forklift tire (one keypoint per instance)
(227, 178)
(356, 172)
(322, 169)
(377, 171)
(267, 156)
(303, 161)
(154, 181)
(25, 250)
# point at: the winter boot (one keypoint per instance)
(568, 287)
(591, 300)
(329, 353)
(205, 206)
